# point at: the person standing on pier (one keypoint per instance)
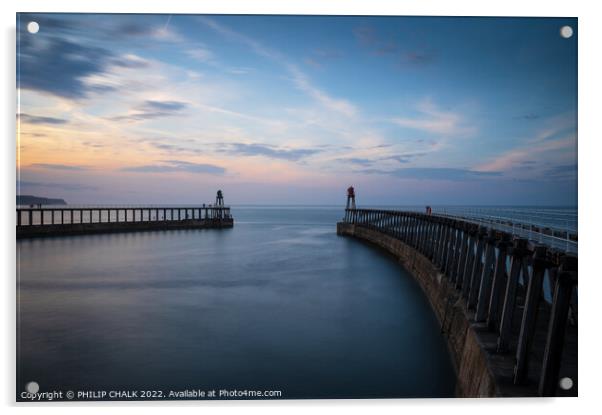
(351, 197)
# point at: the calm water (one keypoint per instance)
(279, 302)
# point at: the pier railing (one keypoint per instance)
(553, 227)
(48, 221)
(507, 283)
(27, 216)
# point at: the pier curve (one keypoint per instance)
(491, 359)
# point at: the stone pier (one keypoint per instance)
(57, 221)
(505, 338)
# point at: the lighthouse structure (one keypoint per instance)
(219, 203)
(350, 198)
(219, 199)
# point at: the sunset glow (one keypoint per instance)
(293, 109)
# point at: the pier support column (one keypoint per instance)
(462, 258)
(499, 281)
(486, 278)
(519, 251)
(563, 289)
(443, 245)
(527, 329)
(475, 276)
(453, 235)
(470, 258)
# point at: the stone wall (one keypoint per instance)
(470, 359)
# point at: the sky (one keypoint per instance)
(294, 109)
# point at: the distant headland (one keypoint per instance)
(35, 200)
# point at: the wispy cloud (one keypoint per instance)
(320, 57)
(165, 106)
(36, 119)
(416, 58)
(433, 120)
(151, 109)
(157, 31)
(401, 158)
(266, 150)
(336, 104)
(529, 116)
(50, 185)
(562, 171)
(58, 65)
(170, 146)
(67, 53)
(435, 173)
(405, 157)
(201, 54)
(557, 135)
(134, 28)
(300, 79)
(59, 166)
(357, 160)
(386, 45)
(170, 166)
(130, 61)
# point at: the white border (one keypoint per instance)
(590, 201)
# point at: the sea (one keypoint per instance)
(277, 303)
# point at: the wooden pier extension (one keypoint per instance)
(57, 221)
(507, 306)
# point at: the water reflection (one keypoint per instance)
(277, 302)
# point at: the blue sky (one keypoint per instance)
(294, 109)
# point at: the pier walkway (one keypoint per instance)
(507, 305)
(77, 220)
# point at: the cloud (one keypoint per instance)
(302, 82)
(434, 120)
(201, 54)
(239, 71)
(59, 166)
(255, 149)
(171, 148)
(529, 117)
(557, 136)
(319, 57)
(379, 45)
(416, 58)
(68, 52)
(435, 173)
(36, 119)
(366, 35)
(562, 171)
(133, 28)
(92, 144)
(167, 106)
(61, 186)
(400, 158)
(130, 61)
(151, 109)
(357, 160)
(300, 79)
(57, 65)
(405, 157)
(170, 166)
